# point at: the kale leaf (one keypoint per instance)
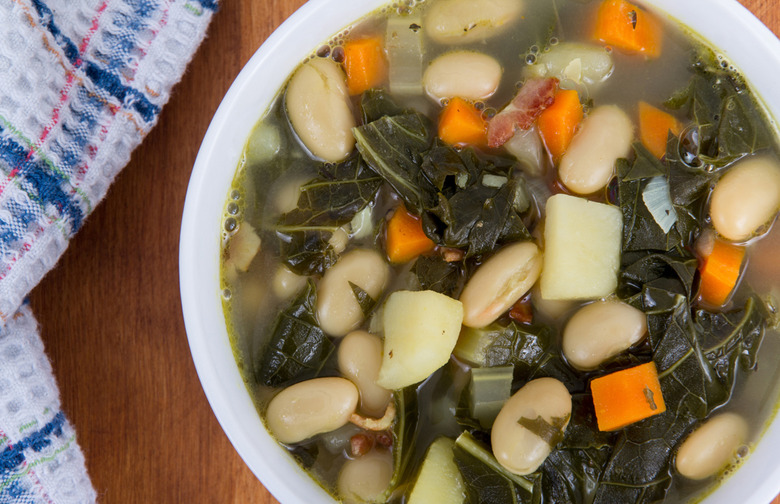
(436, 274)
(376, 103)
(404, 437)
(698, 355)
(486, 481)
(326, 203)
(688, 190)
(298, 348)
(466, 199)
(393, 147)
(480, 200)
(573, 471)
(533, 351)
(718, 102)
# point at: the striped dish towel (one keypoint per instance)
(81, 83)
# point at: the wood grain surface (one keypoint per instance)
(110, 312)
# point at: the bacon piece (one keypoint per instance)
(530, 100)
(522, 311)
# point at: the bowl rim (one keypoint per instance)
(220, 150)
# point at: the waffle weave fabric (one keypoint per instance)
(81, 83)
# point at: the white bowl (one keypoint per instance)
(741, 38)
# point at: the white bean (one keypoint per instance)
(711, 446)
(286, 194)
(601, 330)
(519, 449)
(746, 198)
(500, 282)
(589, 162)
(286, 283)
(360, 357)
(243, 246)
(311, 407)
(319, 109)
(466, 21)
(363, 479)
(338, 310)
(466, 74)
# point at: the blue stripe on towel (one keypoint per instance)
(109, 81)
(209, 4)
(13, 456)
(47, 19)
(108, 77)
(16, 490)
(43, 185)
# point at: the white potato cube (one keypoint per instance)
(582, 248)
(439, 479)
(421, 329)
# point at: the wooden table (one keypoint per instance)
(119, 351)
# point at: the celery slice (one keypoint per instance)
(489, 389)
(404, 43)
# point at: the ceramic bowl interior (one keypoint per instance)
(740, 36)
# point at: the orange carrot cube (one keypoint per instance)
(627, 396)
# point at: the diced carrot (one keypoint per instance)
(654, 128)
(405, 237)
(627, 396)
(720, 271)
(624, 25)
(460, 123)
(558, 122)
(365, 64)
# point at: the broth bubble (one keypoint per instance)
(689, 147)
(338, 54)
(232, 208)
(230, 224)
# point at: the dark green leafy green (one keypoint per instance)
(460, 207)
(687, 188)
(376, 103)
(364, 299)
(404, 437)
(718, 102)
(533, 351)
(486, 481)
(673, 272)
(393, 147)
(326, 203)
(698, 356)
(639, 468)
(298, 348)
(549, 432)
(436, 274)
(572, 472)
(472, 212)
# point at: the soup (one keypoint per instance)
(489, 247)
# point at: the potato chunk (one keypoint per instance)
(582, 248)
(439, 479)
(421, 329)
